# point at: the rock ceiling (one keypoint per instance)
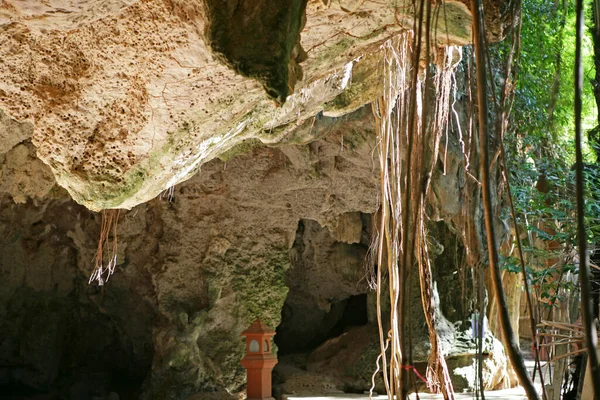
(125, 98)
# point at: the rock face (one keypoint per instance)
(115, 101)
(194, 272)
(276, 233)
(128, 98)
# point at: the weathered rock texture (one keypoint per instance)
(127, 98)
(117, 100)
(195, 272)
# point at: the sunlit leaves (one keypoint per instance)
(540, 148)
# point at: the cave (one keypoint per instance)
(313, 311)
(55, 347)
(344, 314)
(325, 306)
(173, 172)
(354, 314)
(59, 338)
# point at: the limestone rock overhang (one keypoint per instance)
(123, 99)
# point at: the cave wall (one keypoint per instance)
(193, 273)
(197, 269)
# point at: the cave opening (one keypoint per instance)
(324, 299)
(59, 347)
(344, 314)
(355, 314)
(327, 317)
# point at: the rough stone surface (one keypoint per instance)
(12, 132)
(128, 98)
(325, 273)
(194, 272)
(23, 175)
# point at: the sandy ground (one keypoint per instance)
(514, 394)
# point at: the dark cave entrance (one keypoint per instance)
(344, 314)
(327, 306)
(355, 314)
(327, 293)
(60, 348)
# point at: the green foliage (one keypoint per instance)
(543, 281)
(545, 86)
(540, 147)
(541, 47)
(539, 141)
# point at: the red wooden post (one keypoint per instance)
(258, 361)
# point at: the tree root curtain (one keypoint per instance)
(408, 146)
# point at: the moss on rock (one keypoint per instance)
(241, 148)
(260, 286)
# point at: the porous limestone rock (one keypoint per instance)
(12, 132)
(128, 98)
(194, 271)
(23, 175)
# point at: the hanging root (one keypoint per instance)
(379, 367)
(370, 264)
(107, 243)
(408, 143)
(168, 194)
(438, 376)
(387, 112)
